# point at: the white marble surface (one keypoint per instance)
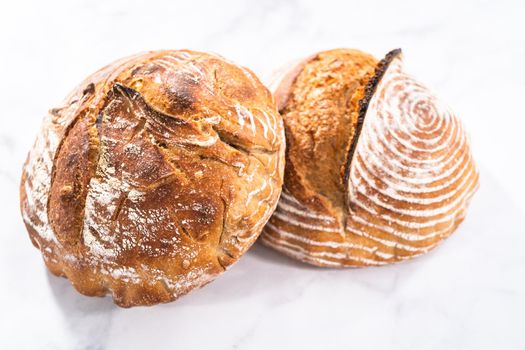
(467, 294)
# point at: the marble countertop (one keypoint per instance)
(467, 294)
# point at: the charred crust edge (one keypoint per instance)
(124, 90)
(370, 89)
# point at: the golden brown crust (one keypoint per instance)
(283, 80)
(397, 186)
(156, 175)
(320, 115)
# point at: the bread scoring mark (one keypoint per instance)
(72, 158)
(136, 102)
(363, 106)
(159, 125)
(38, 167)
(155, 127)
(409, 181)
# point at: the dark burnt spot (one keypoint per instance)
(122, 90)
(89, 89)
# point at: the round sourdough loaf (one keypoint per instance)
(156, 174)
(378, 170)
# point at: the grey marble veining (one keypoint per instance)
(469, 293)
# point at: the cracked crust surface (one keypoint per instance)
(158, 173)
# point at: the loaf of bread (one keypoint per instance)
(378, 170)
(156, 174)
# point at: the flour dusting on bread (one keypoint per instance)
(407, 179)
(156, 176)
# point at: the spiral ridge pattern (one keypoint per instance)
(410, 180)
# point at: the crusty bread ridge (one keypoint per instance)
(378, 170)
(157, 173)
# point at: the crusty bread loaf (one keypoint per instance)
(157, 173)
(378, 170)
